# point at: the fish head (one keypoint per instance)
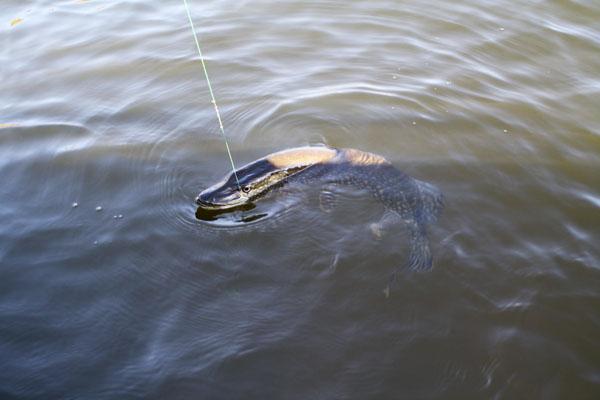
(256, 179)
(222, 195)
(252, 182)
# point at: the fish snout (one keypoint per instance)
(216, 199)
(205, 198)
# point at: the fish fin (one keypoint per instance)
(389, 218)
(419, 258)
(386, 292)
(332, 267)
(432, 203)
(376, 230)
(327, 200)
(392, 280)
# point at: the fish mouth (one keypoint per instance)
(221, 206)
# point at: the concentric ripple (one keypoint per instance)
(113, 285)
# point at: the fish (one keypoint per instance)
(415, 203)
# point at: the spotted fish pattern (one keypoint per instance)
(410, 201)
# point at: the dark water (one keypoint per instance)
(103, 104)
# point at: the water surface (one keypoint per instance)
(104, 105)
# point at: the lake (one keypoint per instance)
(112, 288)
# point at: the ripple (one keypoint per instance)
(496, 103)
(177, 206)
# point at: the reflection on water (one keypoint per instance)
(104, 105)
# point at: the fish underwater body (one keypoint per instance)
(414, 203)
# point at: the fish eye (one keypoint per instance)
(245, 189)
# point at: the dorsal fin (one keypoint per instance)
(358, 157)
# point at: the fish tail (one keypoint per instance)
(419, 257)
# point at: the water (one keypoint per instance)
(104, 105)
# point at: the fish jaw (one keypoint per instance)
(220, 198)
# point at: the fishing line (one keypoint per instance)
(213, 101)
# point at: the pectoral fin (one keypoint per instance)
(327, 200)
(388, 219)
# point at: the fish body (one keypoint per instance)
(413, 202)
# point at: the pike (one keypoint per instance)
(408, 200)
